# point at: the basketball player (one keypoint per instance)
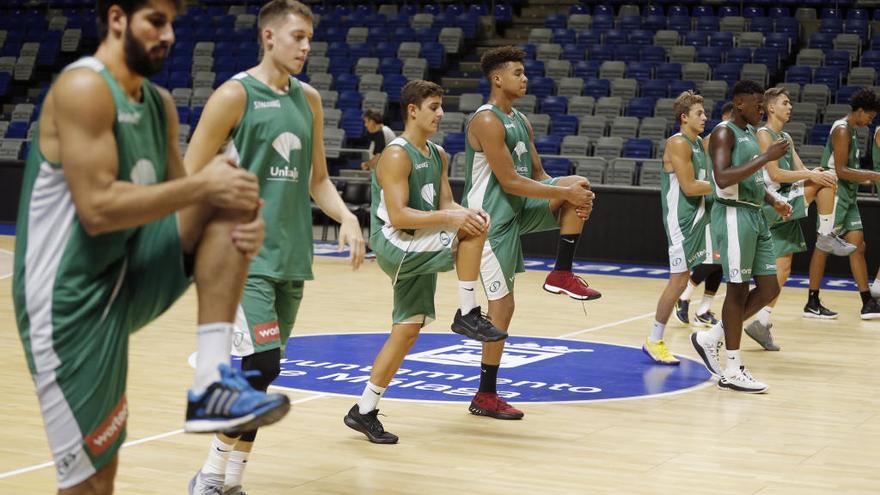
(505, 177)
(799, 187)
(414, 229)
(273, 125)
(110, 229)
(705, 272)
(740, 234)
(683, 189)
(842, 155)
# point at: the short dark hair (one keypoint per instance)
(746, 87)
(496, 58)
(727, 108)
(373, 115)
(417, 91)
(864, 99)
(127, 6)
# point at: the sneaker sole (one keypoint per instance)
(479, 411)
(734, 388)
(667, 363)
(767, 347)
(354, 425)
(870, 316)
(559, 290)
(233, 427)
(680, 320)
(702, 353)
(481, 338)
(703, 324)
(814, 316)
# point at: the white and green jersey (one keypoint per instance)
(682, 214)
(63, 274)
(785, 163)
(481, 188)
(273, 140)
(845, 188)
(750, 191)
(875, 160)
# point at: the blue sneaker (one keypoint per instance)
(681, 311)
(232, 406)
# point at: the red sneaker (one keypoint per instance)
(559, 282)
(489, 404)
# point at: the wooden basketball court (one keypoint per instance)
(816, 431)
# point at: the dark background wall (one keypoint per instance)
(626, 226)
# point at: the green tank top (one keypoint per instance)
(273, 141)
(481, 188)
(749, 192)
(683, 214)
(785, 163)
(424, 185)
(875, 159)
(844, 187)
(50, 237)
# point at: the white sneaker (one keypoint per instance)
(742, 381)
(875, 291)
(206, 484)
(709, 352)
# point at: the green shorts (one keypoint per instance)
(846, 212)
(795, 197)
(742, 242)
(695, 249)
(266, 314)
(412, 261)
(82, 391)
(502, 253)
(788, 237)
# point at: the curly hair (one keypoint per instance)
(496, 58)
(866, 100)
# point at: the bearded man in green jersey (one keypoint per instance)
(272, 124)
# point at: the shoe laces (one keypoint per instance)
(745, 373)
(373, 422)
(664, 351)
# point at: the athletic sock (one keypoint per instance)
(813, 296)
(218, 455)
(565, 253)
(764, 315)
(875, 287)
(826, 224)
(733, 362)
(866, 296)
(214, 346)
(657, 332)
(705, 304)
(235, 467)
(488, 378)
(467, 298)
(686, 295)
(370, 398)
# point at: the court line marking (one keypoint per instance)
(4, 276)
(35, 467)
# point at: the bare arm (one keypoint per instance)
(88, 153)
(721, 150)
(221, 114)
(777, 174)
(677, 157)
(840, 139)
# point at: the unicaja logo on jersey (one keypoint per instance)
(128, 117)
(520, 149)
(143, 173)
(428, 193)
(285, 144)
(258, 105)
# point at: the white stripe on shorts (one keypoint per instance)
(734, 255)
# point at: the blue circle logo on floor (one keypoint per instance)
(446, 367)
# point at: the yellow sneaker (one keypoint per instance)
(659, 352)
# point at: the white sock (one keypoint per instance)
(686, 295)
(235, 467)
(733, 362)
(657, 332)
(826, 224)
(467, 296)
(875, 287)
(370, 398)
(764, 315)
(214, 346)
(716, 333)
(217, 457)
(705, 304)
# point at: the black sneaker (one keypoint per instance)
(871, 309)
(681, 311)
(707, 319)
(369, 425)
(477, 326)
(814, 309)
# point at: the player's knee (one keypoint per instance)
(267, 363)
(100, 483)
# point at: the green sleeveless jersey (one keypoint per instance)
(683, 214)
(844, 187)
(273, 141)
(55, 258)
(875, 159)
(481, 188)
(424, 185)
(749, 192)
(785, 163)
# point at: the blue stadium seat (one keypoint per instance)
(696, 39)
(597, 88)
(626, 53)
(530, 49)
(829, 76)
(708, 24)
(641, 107)
(819, 134)
(788, 25)
(727, 72)
(588, 37)
(572, 53)
(652, 54)
(426, 35)
(857, 26)
(17, 130)
(454, 143)
(630, 23)
(829, 13)
(641, 37)
(553, 105)
(668, 71)
(533, 68)
(638, 148)
(503, 13)
(682, 24)
(564, 125)
(761, 25)
(822, 41)
(349, 99)
(703, 11)
(800, 74)
(844, 93)
(563, 36)
(780, 41)
(601, 53)
(587, 69)
(556, 21)
(710, 55)
(548, 145)
(352, 122)
(386, 49)
(751, 12)
(739, 55)
(346, 82)
(777, 12)
(615, 37)
(652, 9)
(837, 58)
(678, 11)
(722, 39)
(390, 66)
(639, 70)
(541, 86)
(653, 22)
(727, 10)
(857, 14)
(654, 88)
(435, 54)
(678, 87)
(557, 167)
(392, 84)
(603, 22)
